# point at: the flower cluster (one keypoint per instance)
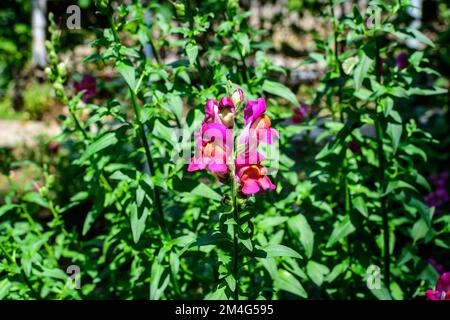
(439, 196)
(215, 143)
(442, 290)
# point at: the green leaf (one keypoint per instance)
(5, 285)
(343, 229)
(36, 198)
(174, 261)
(381, 294)
(175, 106)
(286, 281)
(360, 204)
(416, 58)
(337, 270)
(90, 218)
(362, 68)
(247, 243)
(419, 230)
(244, 43)
(349, 64)
(156, 287)
(300, 227)
(279, 250)
(218, 294)
(316, 272)
(395, 132)
(192, 52)
(203, 190)
(388, 105)
(104, 142)
(128, 73)
(7, 207)
(419, 36)
(137, 223)
(426, 91)
(280, 90)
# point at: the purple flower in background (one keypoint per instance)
(354, 147)
(89, 84)
(401, 60)
(303, 112)
(382, 66)
(439, 196)
(439, 267)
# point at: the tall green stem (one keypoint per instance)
(235, 239)
(151, 165)
(198, 65)
(384, 213)
(381, 175)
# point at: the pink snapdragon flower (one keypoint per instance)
(442, 290)
(253, 178)
(212, 151)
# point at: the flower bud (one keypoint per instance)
(237, 97)
(180, 9)
(62, 69)
(49, 73)
(227, 117)
(102, 5)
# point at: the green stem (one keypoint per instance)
(235, 240)
(144, 140)
(384, 213)
(151, 165)
(155, 52)
(198, 65)
(381, 176)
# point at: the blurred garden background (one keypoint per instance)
(92, 91)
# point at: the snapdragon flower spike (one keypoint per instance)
(442, 290)
(215, 142)
(257, 123)
(212, 151)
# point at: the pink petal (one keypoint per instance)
(211, 110)
(265, 183)
(443, 283)
(226, 102)
(250, 186)
(433, 295)
(193, 167)
(254, 109)
(215, 167)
